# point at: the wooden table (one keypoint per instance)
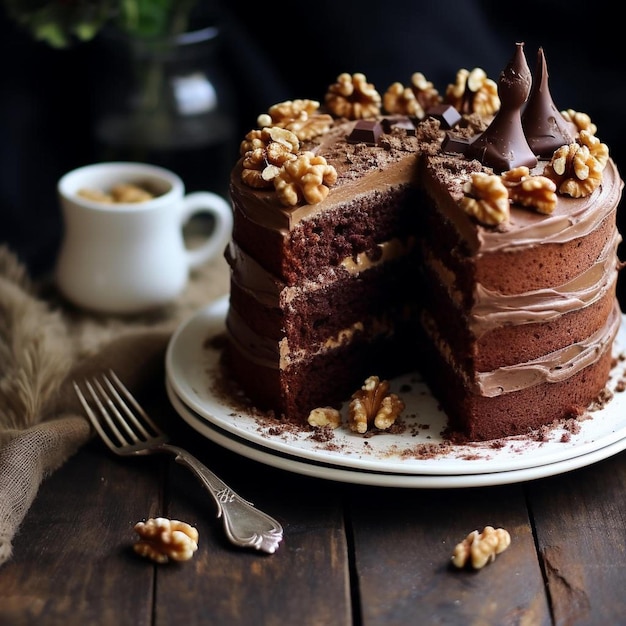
(351, 554)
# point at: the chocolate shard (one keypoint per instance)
(446, 114)
(401, 122)
(365, 131)
(545, 128)
(456, 143)
(503, 146)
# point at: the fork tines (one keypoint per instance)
(117, 417)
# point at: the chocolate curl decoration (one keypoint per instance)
(503, 145)
(546, 129)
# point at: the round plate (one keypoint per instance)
(379, 479)
(192, 367)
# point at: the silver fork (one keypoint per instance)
(126, 429)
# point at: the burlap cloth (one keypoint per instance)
(44, 345)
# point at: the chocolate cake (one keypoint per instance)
(470, 236)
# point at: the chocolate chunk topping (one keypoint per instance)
(456, 143)
(446, 114)
(503, 145)
(365, 131)
(546, 129)
(400, 122)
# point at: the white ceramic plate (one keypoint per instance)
(379, 479)
(192, 368)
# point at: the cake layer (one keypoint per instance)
(321, 379)
(358, 294)
(319, 284)
(536, 394)
(529, 251)
(509, 343)
(354, 224)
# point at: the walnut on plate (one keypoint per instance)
(373, 405)
(324, 416)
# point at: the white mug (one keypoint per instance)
(131, 257)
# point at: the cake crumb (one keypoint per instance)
(323, 434)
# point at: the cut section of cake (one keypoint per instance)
(520, 318)
(318, 292)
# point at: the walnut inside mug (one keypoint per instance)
(124, 193)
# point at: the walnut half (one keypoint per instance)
(324, 416)
(301, 117)
(473, 92)
(373, 405)
(486, 199)
(305, 178)
(161, 539)
(577, 168)
(478, 549)
(536, 192)
(352, 97)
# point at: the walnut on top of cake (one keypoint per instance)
(506, 126)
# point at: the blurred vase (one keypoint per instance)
(166, 102)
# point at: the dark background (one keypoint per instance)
(271, 53)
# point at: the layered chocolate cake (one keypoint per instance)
(470, 236)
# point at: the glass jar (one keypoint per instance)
(166, 102)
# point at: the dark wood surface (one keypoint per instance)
(351, 554)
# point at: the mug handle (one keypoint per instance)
(198, 202)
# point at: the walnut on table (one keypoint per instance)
(478, 549)
(161, 539)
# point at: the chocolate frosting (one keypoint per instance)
(545, 128)
(503, 145)
(553, 368)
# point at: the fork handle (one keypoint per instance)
(245, 525)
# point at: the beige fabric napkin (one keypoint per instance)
(44, 345)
